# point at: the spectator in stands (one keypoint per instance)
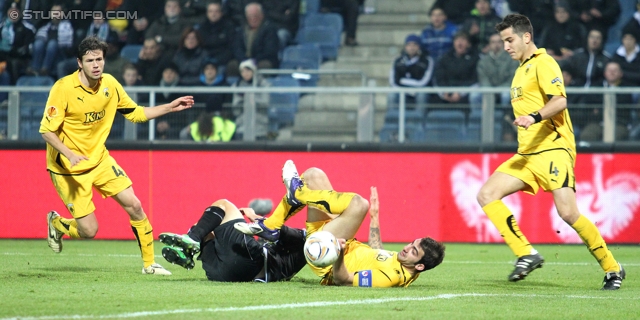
(437, 36)
(37, 20)
(257, 40)
(588, 63)
(501, 7)
(413, 68)
(151, 62)
(285, 15)
(593, 130)
(456, 10)
(235, 10)
(16, 35)
(211, 126)
(349, 9)
(169, 127)
(540, 12)
(100, 28)
(495, 69)
(601, 14)
(53, 42)
(457, 68)
(194, 10)
(114, 62)
(564, 35)
(168, 28)
(190, 57)
(217, 33)
(131, 76)
(146, 12)
(627, 57)
(633, 26)
(481, 25)
(210, 77)
(247, 70)
(81, 25)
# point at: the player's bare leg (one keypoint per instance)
(141, 229)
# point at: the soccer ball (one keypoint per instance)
(321, 249)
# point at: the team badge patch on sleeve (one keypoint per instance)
(364, 278)
(557, 79)
(52, 112)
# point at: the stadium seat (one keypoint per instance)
(324, 37)
(445, 125)
(32, 105)
(282, 106)
(413, 132)
(474, 128)
(330, 20)
(308, 51)
(131, 52)
(312, 6)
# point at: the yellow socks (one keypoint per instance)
(503, 219)
(67, 226)
(326, 200)
(596, 245)
(144, 234)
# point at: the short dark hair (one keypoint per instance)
(91, 43)
(520, 24)
(433, 253)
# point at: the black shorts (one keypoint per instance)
(232, 256)
(286, 257)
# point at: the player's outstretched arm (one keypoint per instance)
(555, 105)
(341, 275)
(174, 106)
(53, 140)
(375, 241)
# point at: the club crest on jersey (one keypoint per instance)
(528, 67)
(106, 92)
(71, 208)
(557, 79)
(52, 112)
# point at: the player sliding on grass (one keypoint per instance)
(342, 213)
(76, 123)
(230, 256)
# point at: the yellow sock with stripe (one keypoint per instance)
(144, 234)
(503, 219)
(66, 226)
(326, 200)
(591, 237)
(281, 214)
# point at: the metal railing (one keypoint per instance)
(365, 127)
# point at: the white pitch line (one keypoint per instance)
(310, 304)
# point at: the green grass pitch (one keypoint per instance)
(102, 279)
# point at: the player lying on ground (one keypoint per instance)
(342, 213)
(231, 256)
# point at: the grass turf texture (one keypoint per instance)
(102, 279)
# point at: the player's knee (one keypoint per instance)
(569, 215)
(221, 203)
(484, 197)
(88, 232)
(313, 175)
(360, 203)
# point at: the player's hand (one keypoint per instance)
(250, 213)
(181, 103)
(342, 243)
(374, 203)
(76, 158)
(524, 121)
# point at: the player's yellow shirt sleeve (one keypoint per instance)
(128, 108)
(55, 108)
(550, 77)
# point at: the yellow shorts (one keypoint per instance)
(75, 190)
(550, 170)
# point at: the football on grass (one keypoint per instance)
(321, 249)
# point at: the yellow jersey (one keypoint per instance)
(375, 267)
(536, 80)
(82, 118)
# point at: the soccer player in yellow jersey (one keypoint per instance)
(76, 123)
(546, 155)
(341, 213)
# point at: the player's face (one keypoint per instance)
(92, 64)
(411, 253)
(513, 43)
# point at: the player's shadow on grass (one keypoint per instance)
(69, 269)
(525, 284)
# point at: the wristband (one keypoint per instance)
(537, 117)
